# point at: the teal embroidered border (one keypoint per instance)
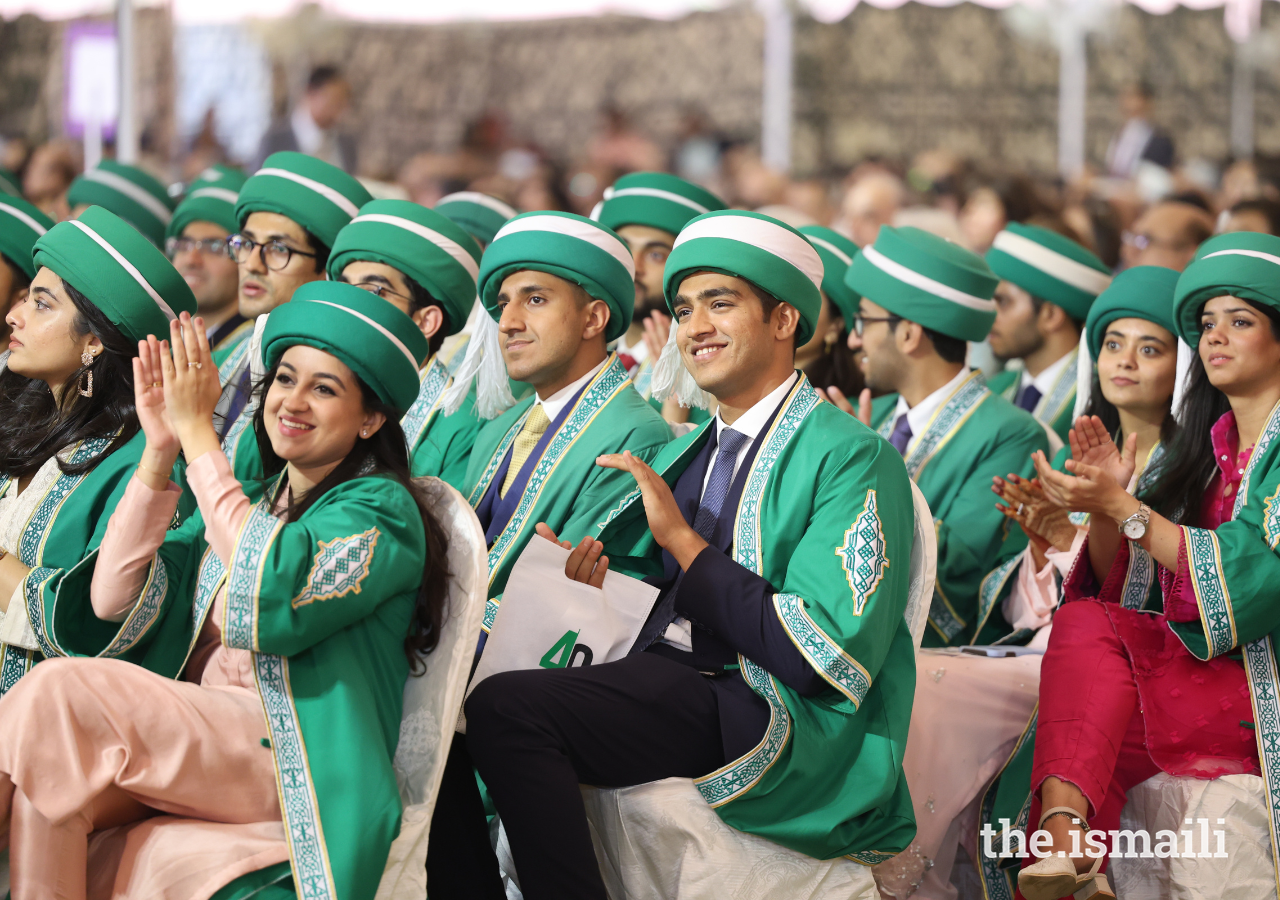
(989, 590)
(1260, 448)
(862, 554)
(234, 358)
(1203, 553)
(238, 428)
(34, 533)
(14, 663)
(477, 493)
(310, 858)
(490, 613)
(435, 379)
(1138, 578)
(842, 671)
(941, 617)
(208, 579)
(240, 628)
(33, 587)
(1064, 391)
(1270, 518)
(1264, 686)
(969, 395)
(741, 775)
(143, 614)
(612, 378)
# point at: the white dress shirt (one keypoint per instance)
(1045, 381)
(918, 416)
(556, 403)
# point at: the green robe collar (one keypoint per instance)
(433, 380)
(945, 422)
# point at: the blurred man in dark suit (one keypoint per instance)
(1138, 139)
(312, 127)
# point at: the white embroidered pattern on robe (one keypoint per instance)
(340, 566)
(862, 555)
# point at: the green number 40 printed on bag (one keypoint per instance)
(565, 652)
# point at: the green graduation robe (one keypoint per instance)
(973, 436)
(1055, 408)
(63, 535)
(826, 517)
(325, 604)
(567, 490)
(440, 444)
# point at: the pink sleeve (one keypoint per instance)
(222, 501)
(1034, 596)
(135, 531)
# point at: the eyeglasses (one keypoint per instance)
(212, 246)
(381, 291)
(860, 322)
(275, 255)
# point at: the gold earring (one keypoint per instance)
(86, 380)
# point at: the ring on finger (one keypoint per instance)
(195, 365)
(1020, 509)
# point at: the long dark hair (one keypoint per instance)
(1105, 410)
(385, 453)
(34, 426)
(1187, 466)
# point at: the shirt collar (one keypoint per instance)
(1045, 381)
(306, 132)
(556, 403)
(752, 422)
(918, 416)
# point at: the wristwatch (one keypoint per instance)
(1135, 526)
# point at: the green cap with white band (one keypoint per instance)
(928, 280)
(1049, 266)
(837, 253)
(570, 247)
(318, 196)
(480, 214)
(210, 198)
(1240, 264)
(127, 191)
(654, 199)
(419, 242)
(758, 248)
(118, 270)
(374, 339)
(21, 225)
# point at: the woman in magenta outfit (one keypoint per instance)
(1133, 686)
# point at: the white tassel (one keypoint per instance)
(1182, 377)
(1084, 377)
(483, 363)
(672, 379)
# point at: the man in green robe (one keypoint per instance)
(1047, 283)
(776, 668)
(922, 298)
(289, 214)
(196, 242)
(426, 266)
(129, 192)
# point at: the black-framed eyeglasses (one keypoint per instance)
(381, 291)
(860, 322)
(275, 254)
(211, 246)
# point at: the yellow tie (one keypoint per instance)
(534, 427)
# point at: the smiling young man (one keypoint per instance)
(923, 298)
(647, 210)
(196, 243)
(289, 214)
(1047, 284)
(426, 266)
(21, 225)
(776, 668)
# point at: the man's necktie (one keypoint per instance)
(1029, 399)
(718, 485)
(901, 434)
(534, 427)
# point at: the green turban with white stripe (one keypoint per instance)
(210, 198)
(655, 200)
(762, 250)
(570, 247)
(837, 253)
(118, 270)
(1241, 264)
(127, 191)
(1140, 292)
(421, 243)
(1049, 266)
(374, 339)
(21, 225)
(318, 196)
(480, 214)
(9, 183)
(927, 280)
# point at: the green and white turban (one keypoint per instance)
(318, 196)
(210, 198)
(654, 199)
(427, 247)
(21, 225)
(837, 253)
(1241, 264)
(928, 280)
(567, 246)
(118, 270)
(375, 340)
(764, 251)
(480, 214)
(130, 193)
(1049, 266)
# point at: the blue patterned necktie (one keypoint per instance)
(901, 434)
(1029, 399)
(718, 486)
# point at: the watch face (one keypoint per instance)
(1135, 529)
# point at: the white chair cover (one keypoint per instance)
(432, 701)
(1164, 802)
(924, 567)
